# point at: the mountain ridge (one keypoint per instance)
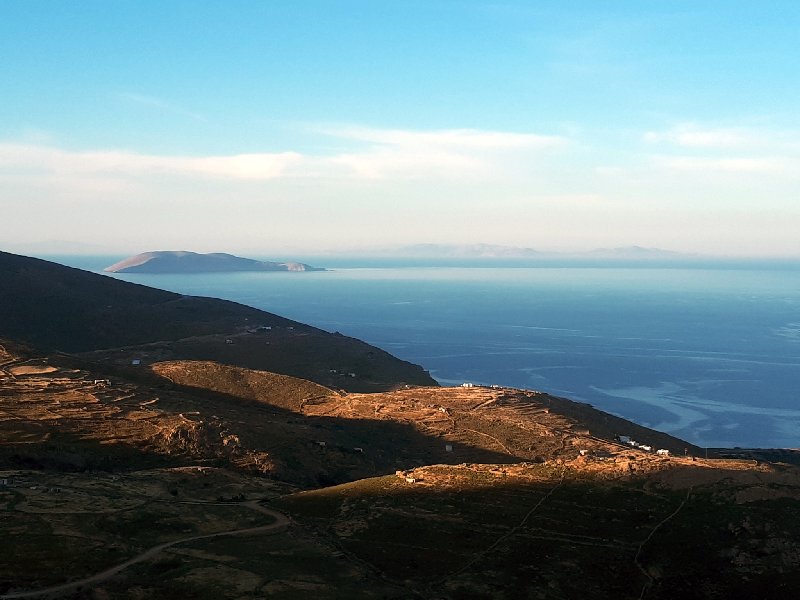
(499, 251)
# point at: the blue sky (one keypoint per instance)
(279, 127)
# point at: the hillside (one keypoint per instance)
(172, 261)
(60, 308)
(624, 527)
(249, 456)
(425, 492)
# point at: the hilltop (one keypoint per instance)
(181, 261)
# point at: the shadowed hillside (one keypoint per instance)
(675, 529)
(60, 308)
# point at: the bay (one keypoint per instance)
(711, 355)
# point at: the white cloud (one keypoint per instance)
(389, 163)
(159, 104)
(469, 153)
(381, 154)
(45, 160)
(742, 165)
(537, 190)
(692, 135)
(726, 153)
(454, 139)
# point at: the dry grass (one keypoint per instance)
(528, 497)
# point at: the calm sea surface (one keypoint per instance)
(711, 355)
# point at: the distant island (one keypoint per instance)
(180, 261)
(469, 251)
(494, 251)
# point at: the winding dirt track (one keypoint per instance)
(637, 560)
(281, 522)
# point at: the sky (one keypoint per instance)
(308, 127)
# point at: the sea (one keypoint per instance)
(707, 352)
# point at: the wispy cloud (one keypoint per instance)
(744, 166)
(726, 153)
(692, 135)
(43, 160)
(159, 104)
(470, 153)
(453, 139)
(379, 154)
(697, 138)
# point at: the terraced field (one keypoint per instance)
(154, 482)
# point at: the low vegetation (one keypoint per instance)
(481, 492)
(177, 473)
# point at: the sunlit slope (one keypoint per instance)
(426, 492)
(56, 415)
(262, 386)
(60, 414)
(586, 528)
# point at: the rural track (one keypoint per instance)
(497, 441)
(488, 550)
(281, 522)
(636, 559)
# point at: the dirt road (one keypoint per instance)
(281, 522)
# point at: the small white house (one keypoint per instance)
(662, 452)
(467, 385)
(136, 362)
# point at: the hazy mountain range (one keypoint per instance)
(499, 251)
